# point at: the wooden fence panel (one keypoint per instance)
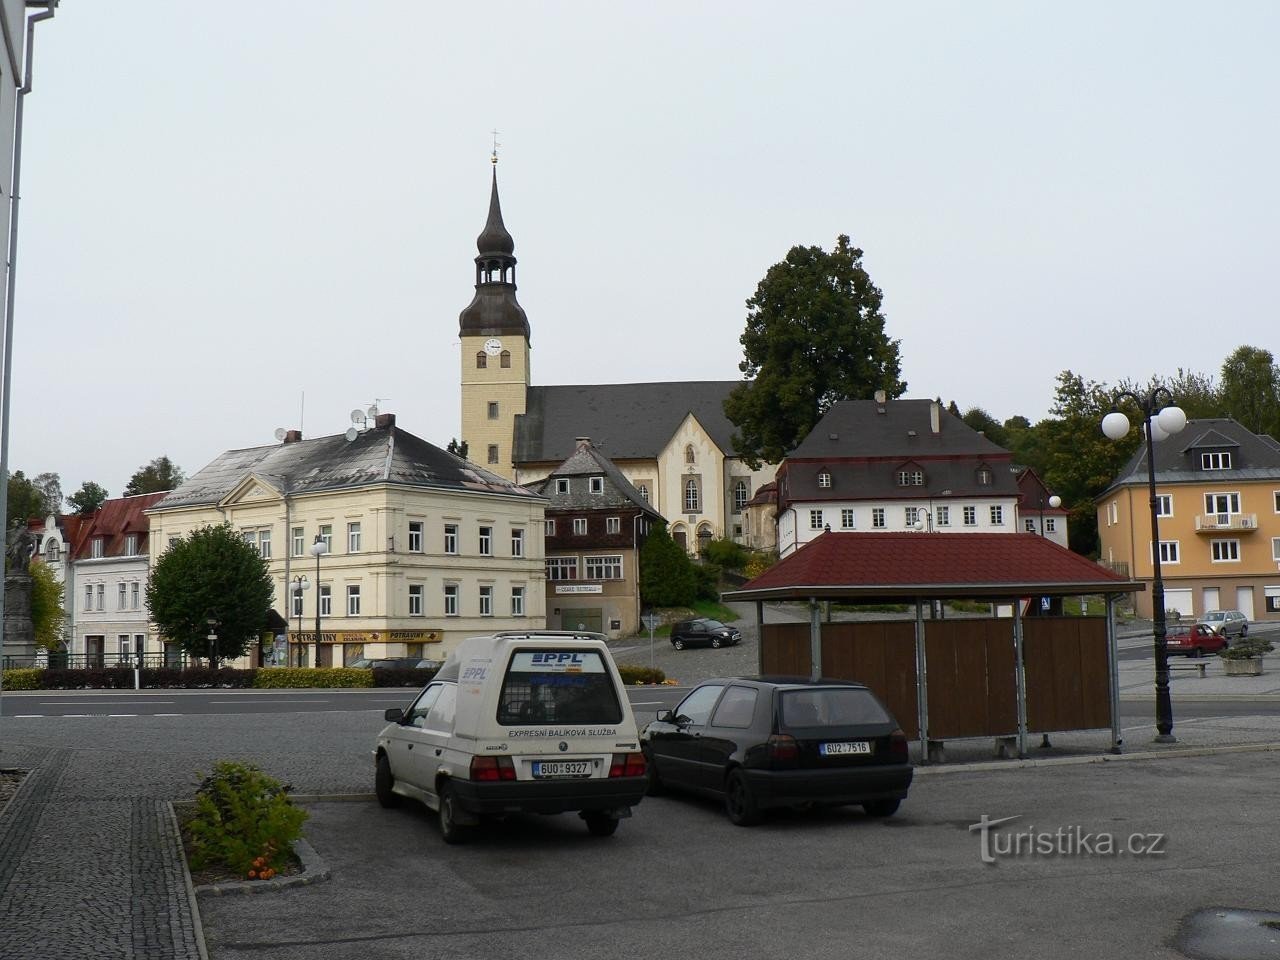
(1068, 680)
(971, 678)
(881, 654)
(786, 649)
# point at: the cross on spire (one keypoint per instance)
(494, 158)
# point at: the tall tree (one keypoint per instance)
(1251, 389)
(26, 500)
(50, 487)
(979, 419)
(211, 574)
(88, 498)
(815, 335)
(158, 475)
(47, 614)
(666, 572)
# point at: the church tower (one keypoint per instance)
(495, 348)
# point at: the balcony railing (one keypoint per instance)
(1226, 523)
(1116, 566)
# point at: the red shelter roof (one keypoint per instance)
(908, 564)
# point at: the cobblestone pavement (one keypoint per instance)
(90, 865)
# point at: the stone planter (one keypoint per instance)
(1249, 667)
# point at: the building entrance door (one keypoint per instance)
(324, 654)
(1244, 601)
(94, 649)
(587, 618)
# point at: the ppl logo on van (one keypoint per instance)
(558, 658)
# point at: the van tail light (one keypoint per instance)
(492, 769)
(898, 746)
(627, 765)
(783, 746)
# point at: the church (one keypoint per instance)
(671, 440)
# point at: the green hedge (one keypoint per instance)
(632, 674)
(23, 679)
(282, 677)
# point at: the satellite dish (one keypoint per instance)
(280, 433)
(357, 416)
(352, 433)
(373, 411)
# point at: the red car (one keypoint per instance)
(1195, 640)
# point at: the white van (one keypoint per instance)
(534, 722)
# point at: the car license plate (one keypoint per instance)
(547, 769)
(848, 746)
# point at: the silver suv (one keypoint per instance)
(1226, 623)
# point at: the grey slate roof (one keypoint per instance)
(385, 454)
(627, 421)
(861, 430)
(590, 462)
(1253, 456)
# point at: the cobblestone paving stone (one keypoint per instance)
(90, 864)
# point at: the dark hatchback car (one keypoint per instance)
(703, 632)
(767, 742)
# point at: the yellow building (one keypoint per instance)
(423, 548)
(1218, 499)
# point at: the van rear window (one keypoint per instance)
(558, 687)
(832, 707)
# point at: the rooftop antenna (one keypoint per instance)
(362, 420)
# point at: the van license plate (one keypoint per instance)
(546, 769)
(849, 746)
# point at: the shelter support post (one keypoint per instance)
(1020, 678)
(760, 637)
(922, 685)
(815, 639)
(1113, 666)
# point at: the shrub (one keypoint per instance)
(706, 582)
(292, 677)
(759, 562)
(402, 676)
(1246, 648)
(244, 820)
(726, 554)
(667, 576)
(21, 679)
(632, 674)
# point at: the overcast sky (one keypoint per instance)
(228, 205)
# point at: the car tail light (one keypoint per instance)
(898, 745)
(783, 746)
(492, 768)
(627, 765)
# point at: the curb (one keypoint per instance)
(314, 870)
(1001, 766)
(196, 922)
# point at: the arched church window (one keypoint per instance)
(505, 358)
(692, 499)
(482, 360)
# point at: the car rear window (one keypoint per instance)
(833, 707)
(558, 687)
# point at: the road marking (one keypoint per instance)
(27, 716)
(76, 715)
(647, 703)
(101, 703)
(211, 702)
(121, 714)
(166, 714)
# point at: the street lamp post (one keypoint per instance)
(300, 585)
(1160, 419)
(1055, 502)
(318, 550)
(213, 641)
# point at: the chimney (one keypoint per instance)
(292, 436)
(880, 396)
(385, 420)
(582, 442)
(935, 417)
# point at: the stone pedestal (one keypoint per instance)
(19, 632)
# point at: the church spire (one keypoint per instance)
(494, 311)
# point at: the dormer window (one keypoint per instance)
(96, 548)
(562, 486)
(911, 478)
(1215, 461)
(984, 476)
(597, 485)
(824, 480)
(131, 545)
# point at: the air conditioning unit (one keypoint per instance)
(1246, 522)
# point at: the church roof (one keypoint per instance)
(494, 238)
(385, 454)
(494, 311)
(626, 421)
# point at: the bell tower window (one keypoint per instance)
(482, 360)
(505, 359)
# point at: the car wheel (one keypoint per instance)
(677, 643)
(739, 801)
(1197, 653)
(654, 787)
(715, 642)
(451, 831)
(383, 781)
(1244, 630)
(881, 808)
(601, 825)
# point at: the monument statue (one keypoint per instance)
(19, 631)
(21, 545)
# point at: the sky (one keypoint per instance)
(227, 208)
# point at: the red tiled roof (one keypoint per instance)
(923, 564)
(113, 521)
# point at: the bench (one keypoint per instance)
(1191, 665)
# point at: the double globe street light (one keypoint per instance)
(1160, 420)
(318, 550)
(300, 585)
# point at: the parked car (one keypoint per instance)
(1195, 640)
(760, 743)
(535, 722)
(379, 663)
(703, 632)
(1226, 623)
